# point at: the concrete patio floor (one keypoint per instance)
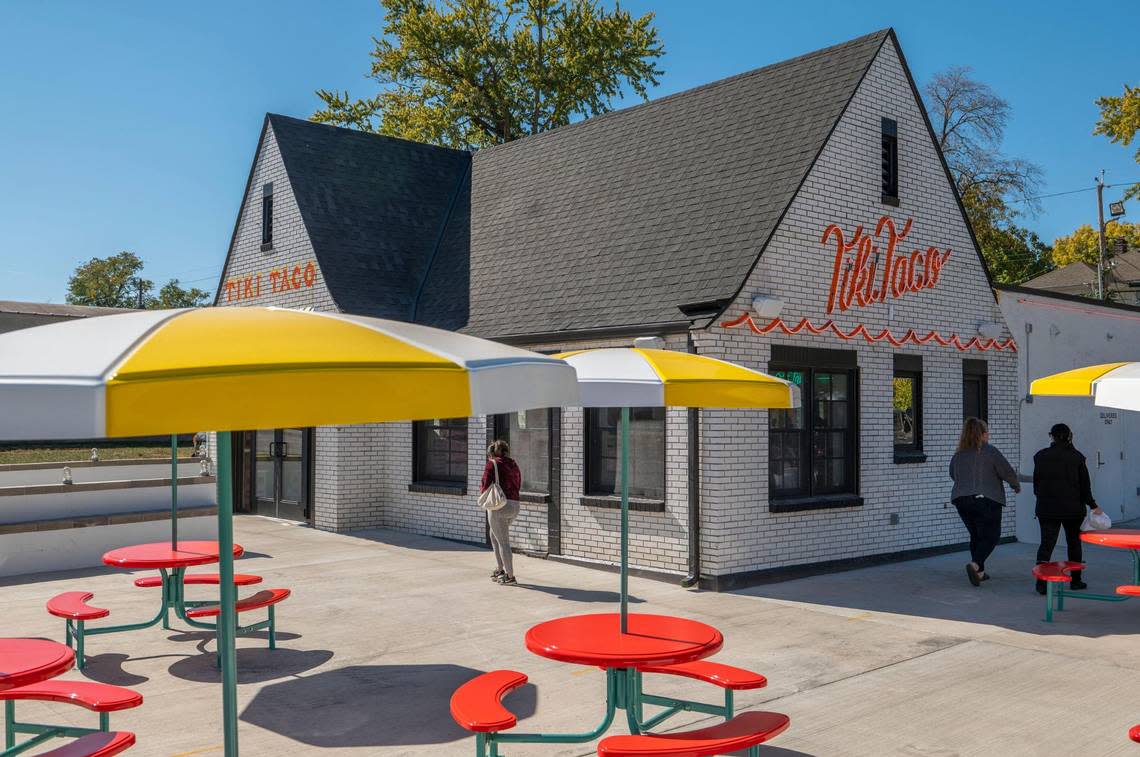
(904, 659)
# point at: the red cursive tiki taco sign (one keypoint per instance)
(858, 280)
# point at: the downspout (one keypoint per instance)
(439, 238)
(694, 487)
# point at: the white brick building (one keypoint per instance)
(710, 219)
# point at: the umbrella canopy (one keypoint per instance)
(219, 369)
(634, 377)
(226, 369)
(628, 377)
(1111, 385)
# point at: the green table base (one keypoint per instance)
(1055, 593)
(40, 732)
(624, 691)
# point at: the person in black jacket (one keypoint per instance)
(1061, 483)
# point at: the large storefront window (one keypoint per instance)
(646, 452)
(528, 433)
(440, 450)
(812, 449)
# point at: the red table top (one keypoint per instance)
(1126, 538)
(24, 662)
(160, 555)
(597, 640)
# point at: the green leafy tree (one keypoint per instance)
(116, 282)
(1119, 121)
(472, 73)
(1084, 243)
(174, 296)
(969, 121)
(111, 282)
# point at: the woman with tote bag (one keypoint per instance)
(499, 496)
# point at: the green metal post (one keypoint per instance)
(624, 519)
(9, 724)
(227, 620)
(1049, 602)
(174, 491)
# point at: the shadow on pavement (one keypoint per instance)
(254, 665)
(936, 587)
(108, 668)
(371, 706)
(578, 595)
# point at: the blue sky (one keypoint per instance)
(131, 126)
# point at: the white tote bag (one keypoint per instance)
(1096, 522)
(492, 498)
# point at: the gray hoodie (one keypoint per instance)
(981, 471)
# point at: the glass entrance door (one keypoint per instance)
(281, 481)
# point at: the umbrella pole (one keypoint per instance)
(226, 621)
(174, 491)
(624, 519)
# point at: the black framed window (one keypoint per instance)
(906, 402)
(440, 451)
(528, 433)
(975, 389)
(813, 449)
(890, 161)
(646, 452)
(267, 217)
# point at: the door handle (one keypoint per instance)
(1099, 462)
(284, 450)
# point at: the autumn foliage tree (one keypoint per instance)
(1084, 243)
(473, 73)
(1119, 121)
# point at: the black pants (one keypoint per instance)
(1051, 529)
(982, 517)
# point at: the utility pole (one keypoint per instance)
(1100, 261)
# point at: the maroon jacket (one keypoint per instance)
(510, 477)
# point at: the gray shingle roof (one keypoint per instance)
(610, 222)
(619, 219)
(373, 207)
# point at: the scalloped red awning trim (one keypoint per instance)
(911, 337)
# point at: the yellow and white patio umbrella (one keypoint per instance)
(228, 369)
(1110, 385)
(628, 377)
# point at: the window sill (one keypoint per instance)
(889, 200)
(534, 498)
(827, 502)
(266, 246)
(437, 487)
(614, 503)
(909, 457)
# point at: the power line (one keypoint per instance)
(1077, 191)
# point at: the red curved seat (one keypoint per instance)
(1056, 571)
(477, 705)
(1134, 733)
(1128, 591)
(263, 598)
(204, 579)
(99, 744)
(97, 697)
(73, 606)
(743, 731)
(724, 676)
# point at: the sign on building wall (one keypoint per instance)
(275, 281)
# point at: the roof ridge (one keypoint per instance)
(367, 134)
(706, 87)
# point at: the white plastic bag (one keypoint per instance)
(1096, 522)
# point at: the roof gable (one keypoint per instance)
(374, 207)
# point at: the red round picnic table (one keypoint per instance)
(24, 662)
(598, 640)
(1124, 538)
(162, 555)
